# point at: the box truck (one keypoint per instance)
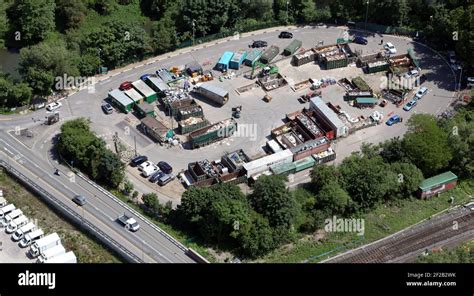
(20, 233)
(51, 253)
(10, 217)
(17, 223)
(44, 243)
(69, 257)
(29, 238)
(6, 210)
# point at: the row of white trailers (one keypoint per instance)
(47, 249)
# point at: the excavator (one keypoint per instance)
(266, 70)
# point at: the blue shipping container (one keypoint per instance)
(237, 60)
(223, 64)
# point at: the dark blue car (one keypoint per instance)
(360, 40)
(145, 77)
(394, 119)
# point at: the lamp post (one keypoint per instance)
(366, 15)
(287, 3)
(194, 29)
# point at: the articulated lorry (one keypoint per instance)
(69, 257)
(20, 233)
(51, 253)
(44, 243)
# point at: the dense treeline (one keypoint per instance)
(111, 33)
(82, 149)
(271, 216)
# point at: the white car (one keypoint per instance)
(390, 48)
(412, 73)
(145, 164)
(53, 106)
(150, 170)
(421, 92)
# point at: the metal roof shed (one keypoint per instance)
(145, 90)
(318, 105)
(158, 85)
(145, 109)
(438, 180)
(252, 57)
(136, 97)
(122, 101)
(292, 47)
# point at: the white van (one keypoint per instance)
(17, 223)
(6, 210)
(3, 201)
(10, 217)
(20, 233)
(31, 238)
(69, 257)
(149, 170)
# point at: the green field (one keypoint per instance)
(87, 249)
(379, 223)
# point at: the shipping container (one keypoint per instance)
(237, 60)
(215, 132)
(145, 90)
(252, 57)
(377, 67)
(292, 47)
(327, 117)
(223, 64)
(269, 54)
(335, 63)
(283, 168)
(212, 92)
(273, 146)
(437, 184)
(145, 109)
(158, 85)
(264, 163)
(325, 156)
(303, 164)
(190, 111)
(304, 58)
(365, 102)
(191, 124)
(122, 101)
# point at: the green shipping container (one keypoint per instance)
(293, 47)
(252, 57)
(377, 67)
(283, 169)
(334, 64)
(305, 163)
(204, 136)
(185, 129)
(270, 54)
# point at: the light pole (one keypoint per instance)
(194, 29)
(287, 3)
(366, 15)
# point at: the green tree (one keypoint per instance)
(461, 140)
(409, 179)
(392, 151)
(334, 198)
(271, 199)
(128, 187)
(70, 13)
(164, 35)
(33, 19)
(259, 239)
(426, 144)
(322, 175)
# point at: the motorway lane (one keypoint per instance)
(159, 248)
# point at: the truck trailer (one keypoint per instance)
(212, 92)
(69, 257)
(44, 243)
(51, 253)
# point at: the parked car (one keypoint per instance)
(412, 73)
(79, 200)
(107, 108)
(421, 92)
(145, 77)
(156, 176)
(53, 106)
(390, 48)
(165, 167)
(285, 34)
(259, 43)
(145, 164)
(138, 160)
(165, 179)
(149, 170)
(410, 104)
(125, 85)
(360, 40)
(394, 119)
(469, 206)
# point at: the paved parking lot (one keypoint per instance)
(10, 251)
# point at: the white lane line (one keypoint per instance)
(146, 244)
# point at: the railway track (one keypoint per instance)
(414, 240)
